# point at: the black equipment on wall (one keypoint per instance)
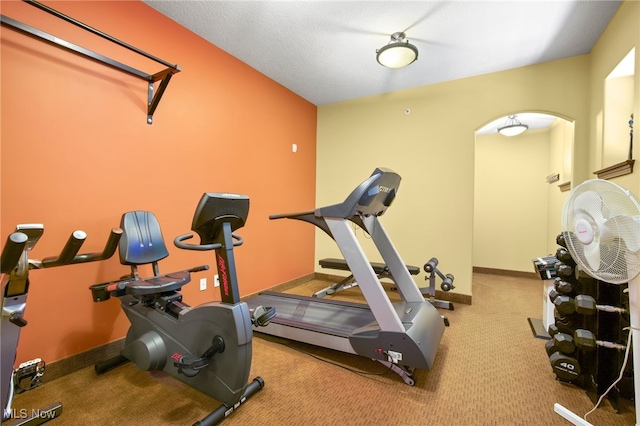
(153, 95)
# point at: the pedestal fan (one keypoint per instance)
(601, 225)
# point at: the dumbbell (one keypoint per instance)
(550, 347)
(564, 343)
(587, 305)
(566, 323)
(585, 340)
(563, 270)
(582, 304)
(564, 304)
(565, 367)
(562, 286)
(560, 240)
(563, 255)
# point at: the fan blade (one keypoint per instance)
(589, 203)
(592, 255)
(626, 228)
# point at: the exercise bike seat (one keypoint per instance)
(158, 284)
(140, 286)
(142, 243)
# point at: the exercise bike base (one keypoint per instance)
(41, 416)
(224, 411)
(109, 364)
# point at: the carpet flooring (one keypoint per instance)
(490, 370)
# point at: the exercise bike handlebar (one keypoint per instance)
(69, 251)
(12, 251)
(108, 251)
(69, 254)
(198, 269)
(178, 242)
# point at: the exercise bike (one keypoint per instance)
(15, 267)
(208, 346)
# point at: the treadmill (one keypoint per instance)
(401, 335)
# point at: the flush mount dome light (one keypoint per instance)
(512, 127)
(397, 53)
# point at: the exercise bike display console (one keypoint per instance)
(208, 346)
(15, 267)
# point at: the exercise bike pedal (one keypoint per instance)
(261, 316)
(190, 365)
(33, 371)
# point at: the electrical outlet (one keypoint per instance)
(216, 281)
(203, 284)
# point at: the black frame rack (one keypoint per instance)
(153, 95)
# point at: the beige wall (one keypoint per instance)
(510, 226)
(621, 35)
(560, 161)
(618, 104)
(433, 149)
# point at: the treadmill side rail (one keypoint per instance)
(368, 281)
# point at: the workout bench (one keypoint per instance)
(382, 271)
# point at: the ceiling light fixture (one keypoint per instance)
(397, 53)
(512, 127)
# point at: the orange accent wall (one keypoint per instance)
(76, 153)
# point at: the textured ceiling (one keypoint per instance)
(324, 51)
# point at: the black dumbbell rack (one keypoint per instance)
(592, 364)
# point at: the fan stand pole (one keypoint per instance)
(634, 319)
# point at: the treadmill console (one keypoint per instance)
(370, 198)
(216, 208)
(378, 192)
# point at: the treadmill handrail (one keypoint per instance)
(320, 222)
(308, 216)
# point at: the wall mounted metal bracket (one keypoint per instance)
(164, 76)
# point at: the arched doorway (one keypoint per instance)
(519, 185)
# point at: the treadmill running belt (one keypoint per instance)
(330, 317)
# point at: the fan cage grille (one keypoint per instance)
(613, 214)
